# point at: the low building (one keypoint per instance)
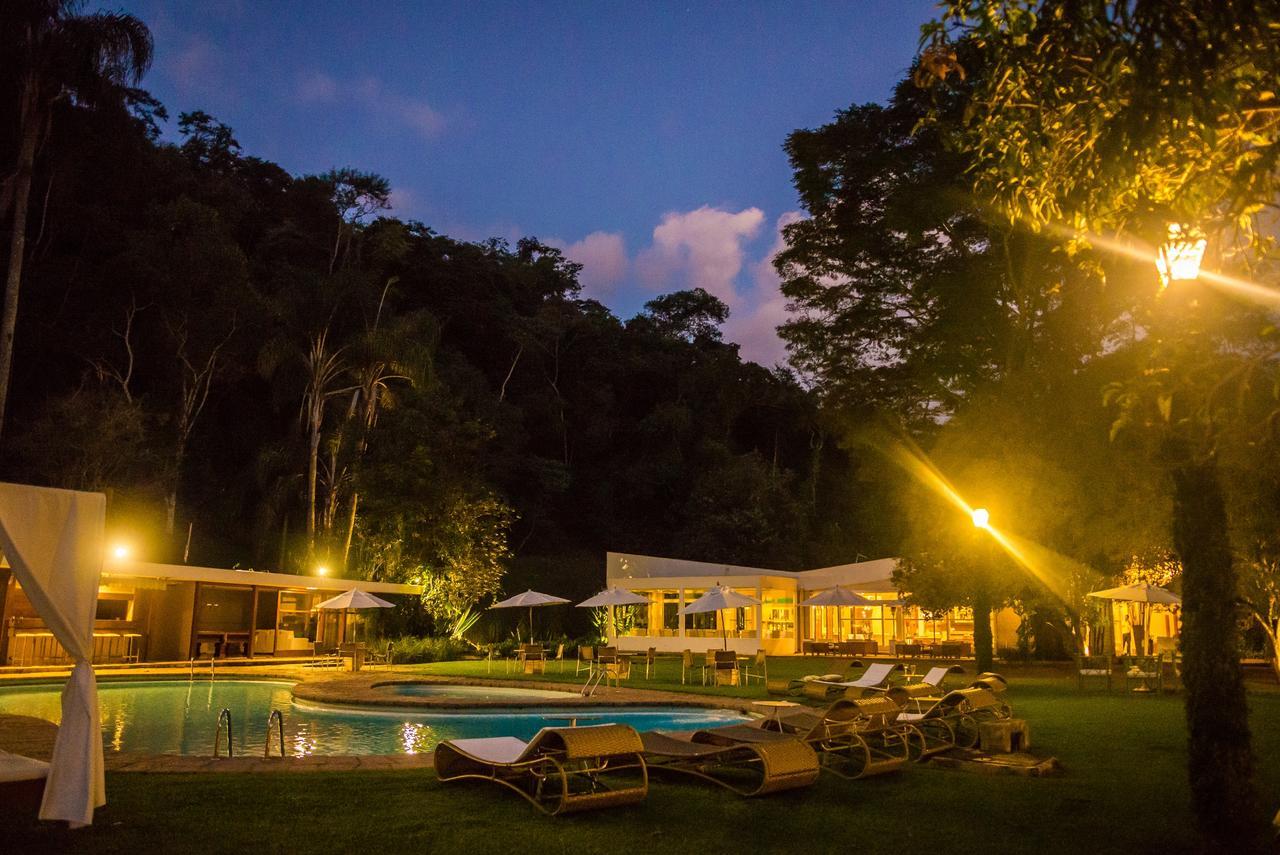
(173, 612)
(780, 625)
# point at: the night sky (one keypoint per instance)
(643, 138)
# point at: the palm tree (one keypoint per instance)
(55, 54)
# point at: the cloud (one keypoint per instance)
(603, 256)
(317, 87)
(192, 68)
(369, 94)
(703, 248)
(764, 309)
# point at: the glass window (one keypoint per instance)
(779, 614)
(224, 609)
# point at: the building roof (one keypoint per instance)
(868, 576)
(122, 570)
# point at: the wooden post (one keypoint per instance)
(195, 622)
(253, 619)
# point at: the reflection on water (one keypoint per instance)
(180, 717)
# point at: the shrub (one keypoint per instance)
(410, 650)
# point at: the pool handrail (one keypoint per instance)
(217, 737)
(276, 717)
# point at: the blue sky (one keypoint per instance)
(643, 138)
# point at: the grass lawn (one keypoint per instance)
(1123, 790)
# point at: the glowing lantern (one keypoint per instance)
(1180, 255)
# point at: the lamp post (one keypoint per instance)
(1180, 255)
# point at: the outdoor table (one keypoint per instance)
(777, 707)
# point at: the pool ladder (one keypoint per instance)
(276, 718)
(217, 737)
(191, 670)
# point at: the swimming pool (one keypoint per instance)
(180, 717)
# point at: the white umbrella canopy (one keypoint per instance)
(356, 599)
(529, 600)
(352, 600)
(614, 597)
(715, 600)
(838, 596)
(1141, 593)
(610, 597)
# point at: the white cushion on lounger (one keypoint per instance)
(15, 767)
(494, 749)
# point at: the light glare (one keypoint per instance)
(981, 518)
(1180, 255)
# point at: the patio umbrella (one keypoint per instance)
(838, 596)
(1145, 594)
(715, 600)
(530, 600)
(1141, 593)
(610, 597)
(349, 601)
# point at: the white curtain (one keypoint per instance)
(54, 542)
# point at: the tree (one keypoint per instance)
(55, 54)
(1125, 117)
(693, 315)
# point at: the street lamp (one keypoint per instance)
(1180, 255)
(981, 518)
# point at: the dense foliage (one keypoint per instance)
(269, 370)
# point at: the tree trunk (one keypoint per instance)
(17, 251)
(1219, 757)
(982, 652)
(351, 529)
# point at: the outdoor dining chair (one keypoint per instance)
(586, 660)
(756, 669)
(725, 668)
(687, 667)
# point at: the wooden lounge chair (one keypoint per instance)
(853, 738)
(560, 770)
(746, 768)
(873, 681)
(796, 687)
(930, 683)
(22, 781)
(940, 724)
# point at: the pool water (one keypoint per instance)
(475, 693)
(180, 717)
